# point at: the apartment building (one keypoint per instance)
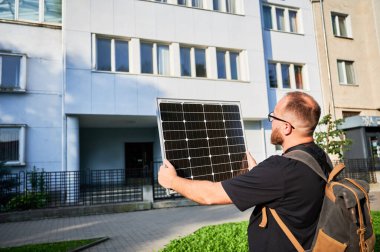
(31, 78)
(79, 87)
(348, 39)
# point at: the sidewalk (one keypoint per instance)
(134, 231)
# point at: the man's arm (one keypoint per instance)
(201, 191)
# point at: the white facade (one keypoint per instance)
(37, 107)
(286, 47)
(86, 126)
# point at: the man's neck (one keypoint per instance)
(289, 144)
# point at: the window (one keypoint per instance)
(163, 59)
(112, 54)
(298, 76)
(197, 3)
(234, 65)
(291, 75)
(346, 72)
(185, 61)
(281, 18)
(155, 58)
(221, 64)
(227, 64)
(346, 114)
(267, 11)
(216, 5)
(181, 2)
(12, 144)
(293, 21)
(272, 75)
(285, 75)
(193, 62)
(32, 10)
(146, 54)
(230, 6)
(200, 63)
(12, 72)
(341, 25)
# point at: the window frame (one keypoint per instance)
(21, 145)
(344, 69)
(22, 73)
(273, 10)
(336, 26)
(155, 57)
(193, 72)
(278, 66)
(41, 14)
(228, 70)
(112, 53)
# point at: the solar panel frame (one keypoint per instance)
(190, 119)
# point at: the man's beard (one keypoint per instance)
(276, 137)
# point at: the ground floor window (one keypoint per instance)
(12, 138)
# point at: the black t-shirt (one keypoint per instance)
(290, 187)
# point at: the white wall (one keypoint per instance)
(91, 92)
(102, 149)
(40, 106)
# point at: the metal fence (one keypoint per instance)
(364, 169)
(160, 193)
(29, 190)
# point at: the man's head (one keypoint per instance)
(295, 117)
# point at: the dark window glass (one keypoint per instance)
(298, 77)
(221, 63)
(121, 56)
(267, 17)
(216, 5)
(272, 75)
(185, 61)
(9, 144)
(200, 63)
(234, 64)
(285, 75)
(103, 54)
(182, 2)
(10, 71)
(146, 58)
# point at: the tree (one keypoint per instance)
(330, 138)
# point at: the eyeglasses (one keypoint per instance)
(271, 117)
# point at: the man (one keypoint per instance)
(289, 186)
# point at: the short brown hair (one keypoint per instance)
(304, 107)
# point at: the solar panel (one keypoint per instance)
(204, 140)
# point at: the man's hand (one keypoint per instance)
(166, 174)
(251, 161)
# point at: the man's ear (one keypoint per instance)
(287, 129)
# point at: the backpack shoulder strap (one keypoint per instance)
(309, 160)
(286, 230)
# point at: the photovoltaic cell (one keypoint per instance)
(203, 140)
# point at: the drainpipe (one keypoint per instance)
(328, 59)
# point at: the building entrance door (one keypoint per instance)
(138, 159)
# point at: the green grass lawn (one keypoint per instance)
(63, 246)
(231, 237)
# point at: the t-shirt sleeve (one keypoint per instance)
(264, 184)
